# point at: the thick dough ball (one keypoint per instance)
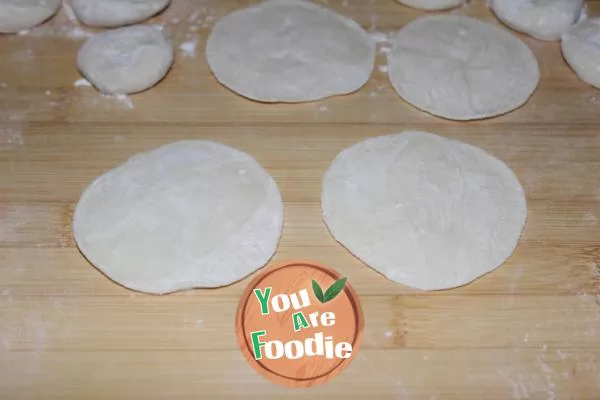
(545, 20)
(126, 60)
(581, 49)
(433, 5)
(16, 15)
(115, 13)
(188, 214)
(290, 51)
(461, 68)
(425, 211)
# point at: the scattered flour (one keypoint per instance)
(384, 47)
(11, 136)
(122, 98)
(381, 38)
(188, 49)
(82, 82)
(385, 50)
(381, 88)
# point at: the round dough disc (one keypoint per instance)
(16, 15)
(461, 68)
(126, 60)
(188, 214)
(115, 13)
(425, 211)
(581, 48)
(290, 51)
(545, 20)
(433, 5)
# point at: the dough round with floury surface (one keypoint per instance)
(433, 5)
(425, 211)
(290, 51)
(189, 214)
(542, 19)
(581, 49)
(115, 13)
(461, 68)
(126, 60)
(16, 15)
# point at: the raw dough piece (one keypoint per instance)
(581, 49)
(126, 60)
(432, 5)
(461, 68)
(188, 214)
(542, 19)
(425, 211)
(114, 13)
(16, 15)
(290, 51)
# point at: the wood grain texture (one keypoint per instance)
(529, 330)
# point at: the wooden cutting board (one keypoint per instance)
(531, 329)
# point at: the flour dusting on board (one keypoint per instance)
(11, 135)
(184, 23)
(64, 24)
(122, 99)
(82, 82)
(188, 48)
(384, 48)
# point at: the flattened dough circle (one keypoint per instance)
(581, 48)
(542, 19)
(432, 5)
(289, 51)
(188, 214)
(425, 211)
(16, 15)
(461, 68)
(115, 13)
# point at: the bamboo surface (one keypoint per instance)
(529, 330)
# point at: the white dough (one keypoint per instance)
(425, 211)
(581, 49)
(16, 15)
(431, 5)
(126, 60)
(115, 13)
(188, 214)
(290, 51)
(542, 19)
(461, 68)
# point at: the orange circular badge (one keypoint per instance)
(299, 323)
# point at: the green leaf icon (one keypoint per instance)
(330, 293)
(334, 290)
(318, 291)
